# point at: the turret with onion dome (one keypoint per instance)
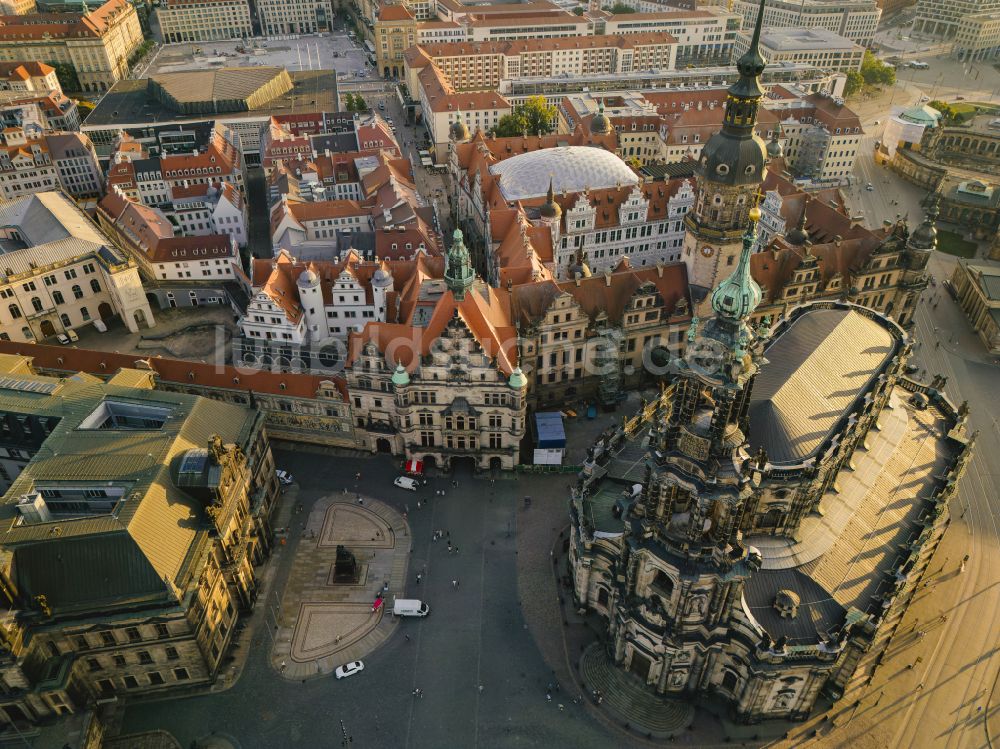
(925, 235)
(550, 210)
(458, 273)
(400, 377)
(799, 236)
(517, 380)
(601, 124)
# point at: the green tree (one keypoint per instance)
(359, 104)
(533, 117)
(579, 10)
(349, 102)
(854, 83)
(875, 72)
(66, 73)
(619, 8)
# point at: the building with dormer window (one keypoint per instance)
(440, 381)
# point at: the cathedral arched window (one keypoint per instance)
(729, 681)
(663, 584)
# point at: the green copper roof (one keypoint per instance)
(517, 379)
(400, 377)
(738, 296)
(458, 272)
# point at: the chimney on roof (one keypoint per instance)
(607, 278)
(659, 269)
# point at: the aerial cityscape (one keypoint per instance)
(445, 374)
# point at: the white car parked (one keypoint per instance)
(405, 482)
(349, 669)
(284, 477)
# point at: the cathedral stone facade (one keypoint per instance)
(722, 532)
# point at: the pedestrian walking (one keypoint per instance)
(454, 584)
(418, 505)
(357, 476)
(449, 547)
(480, 689)
(454, 484)
(418, 578)
(407, 637)
(548, 696)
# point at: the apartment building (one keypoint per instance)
(703, 37)
(31, 163)
(479, 66)
(17, 7)
(174, 536)
(98, 43)
(180, 270)
(820, 138)
(52, 111)
(216, 161)
(75, 159)
(813, 46)
(395, 32)
(853, 19)
(977, 37)
(444, 108)
(60, 272)
(24, 78)
(943, 19)
(204, 20)
(293, 16)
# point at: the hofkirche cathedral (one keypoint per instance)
(747, 536)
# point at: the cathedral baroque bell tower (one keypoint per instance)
(683, 562)
(729, 172)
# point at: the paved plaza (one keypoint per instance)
(322, 623)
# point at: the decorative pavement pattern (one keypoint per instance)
(322, 624)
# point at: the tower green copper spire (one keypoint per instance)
(738, 296)
(458, 272)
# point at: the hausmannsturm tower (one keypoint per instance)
(729, 172)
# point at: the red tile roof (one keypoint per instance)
(180, 371)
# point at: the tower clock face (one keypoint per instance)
(706, 355)
(707, 251)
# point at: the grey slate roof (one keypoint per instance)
(817, 368)
(819, 614)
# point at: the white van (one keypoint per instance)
(405, 482)
(410, 607)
